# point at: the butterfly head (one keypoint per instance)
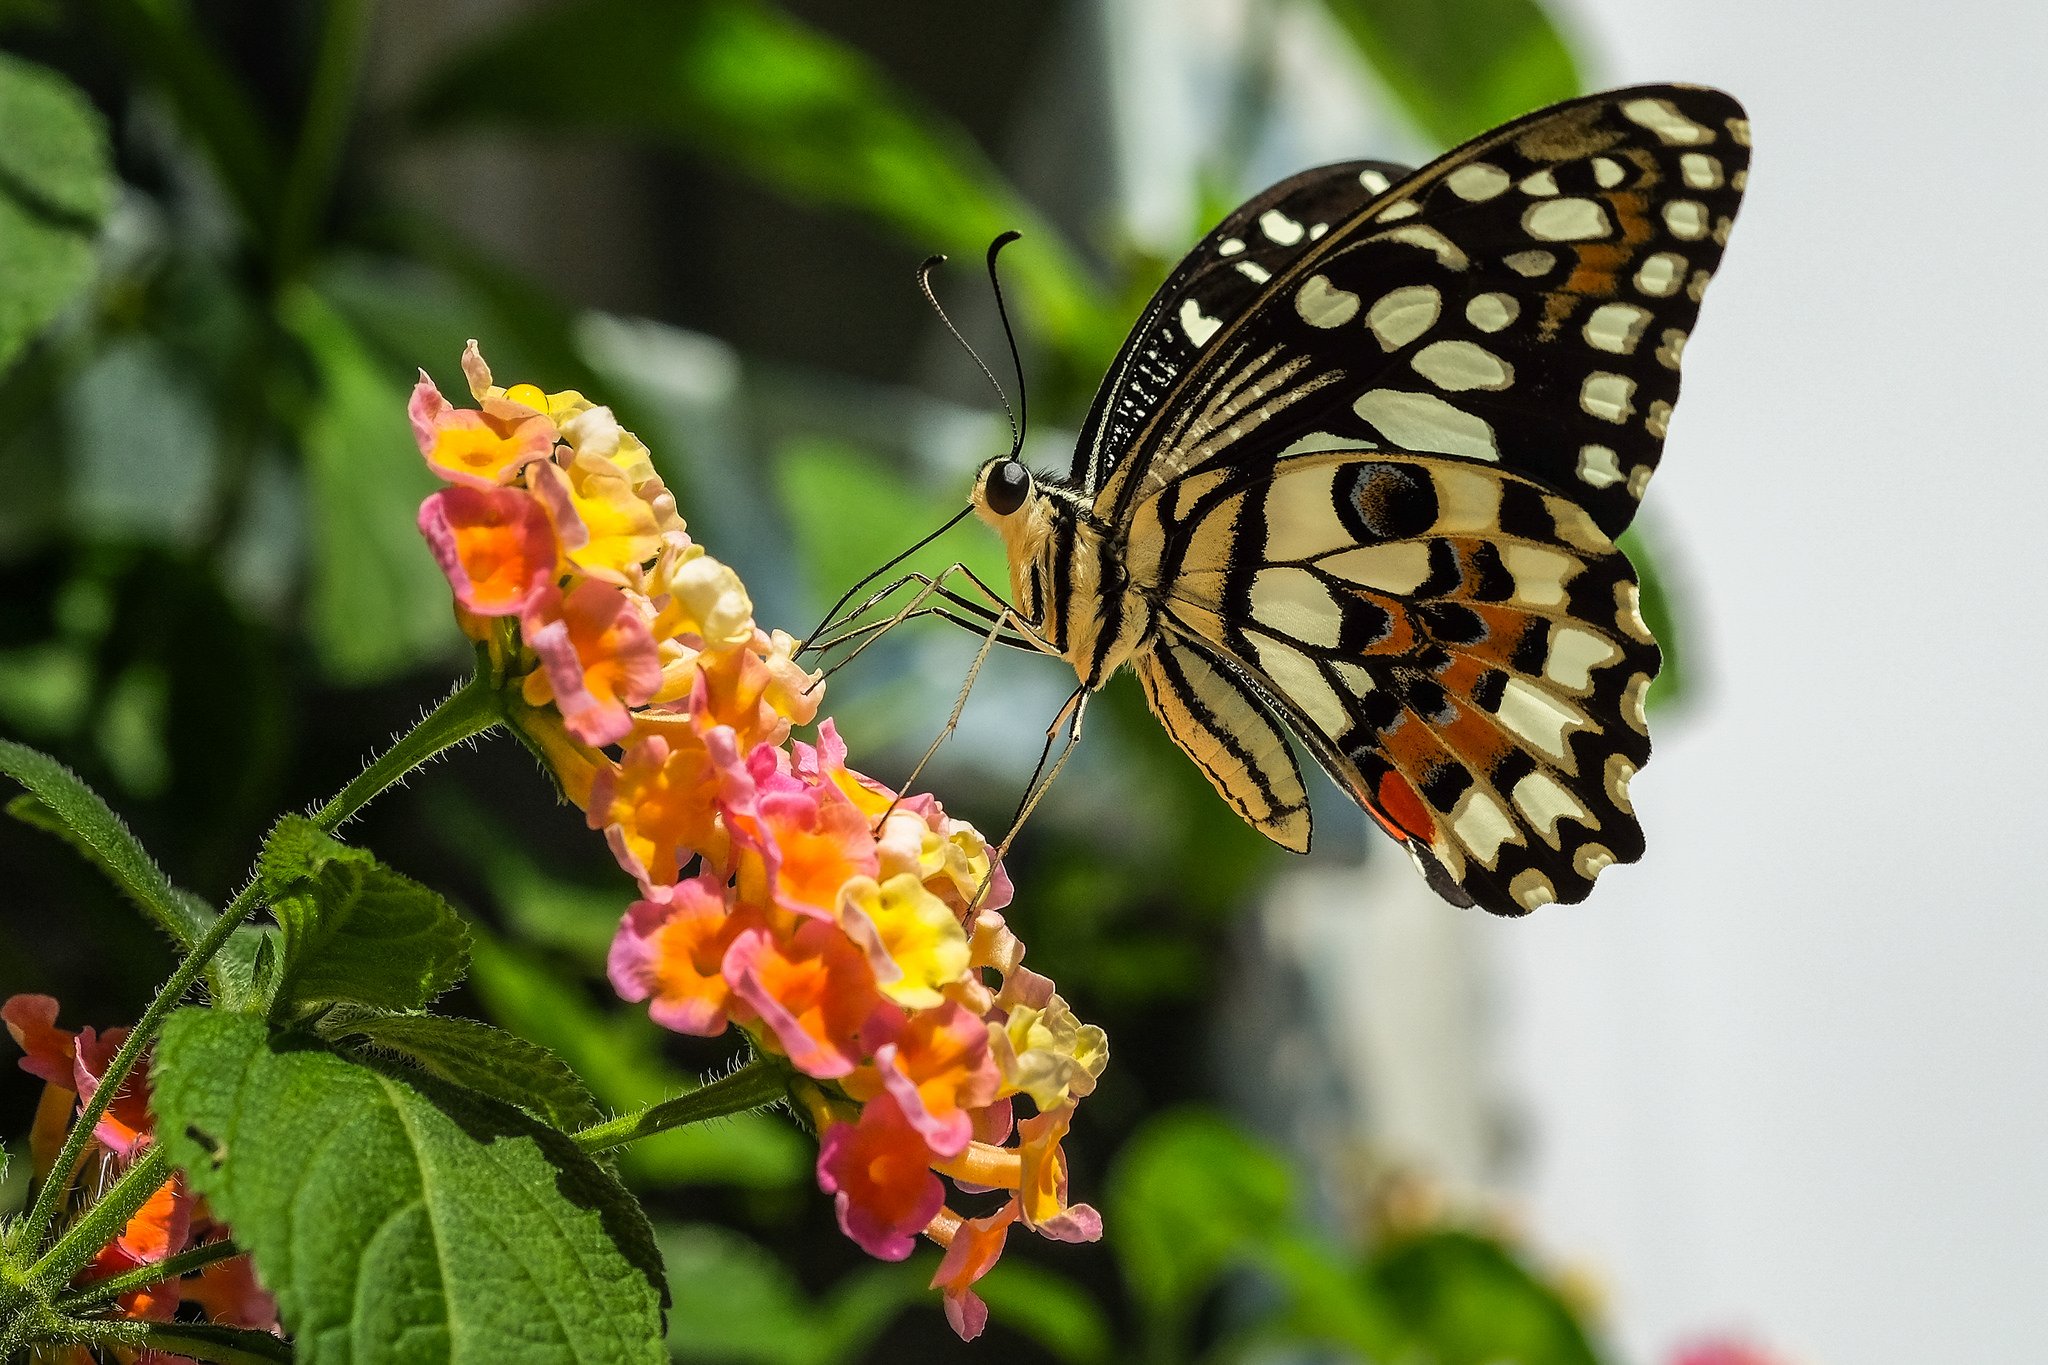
(1001, 490)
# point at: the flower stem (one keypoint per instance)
(760, 1082)
(170, 1268)
(103, 1222)
(469, 711)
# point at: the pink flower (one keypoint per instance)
(879, 1175)
(494, 544)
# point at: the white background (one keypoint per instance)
(1791, 1072)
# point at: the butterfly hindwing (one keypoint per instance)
(1222, 724)
(1461, 648)
(1524, 301)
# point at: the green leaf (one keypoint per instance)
(379, 604)
(56, 183)
(1465, 1300)
(1462, 68)
(1189, 1197)
(472, 1054)
(353, 930)
(398, 1219)
(742, 82)
(618, 1053)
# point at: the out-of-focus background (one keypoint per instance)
(1786, 1080)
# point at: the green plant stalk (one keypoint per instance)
(309, 181)
(469, 711)
(103, 1222)
(760, 1082)
(170, 1268)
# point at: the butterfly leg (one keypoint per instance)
(1001, 616)
(1069, 716)
(959, 706)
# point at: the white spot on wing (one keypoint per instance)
(1491, 312)
(1574, 654)
(1657, 421)
(1477, 181)
(1301, 682)
(1429, 239)
(1530, 263)
(1394, 213)
(1322, 304)
(1301, 515)
(1294, 602)
(1531, 889)
(1401, 315)
(1672, 351)
(1639, 479)
(1279, 228)
(1541, 184)
(1424, 422)
(1671, 127)
(1618, 775)
(1481, 825)
(1459, 365)
(1701, 172)
(1599, 466)
(1659, 275)
(1610, 397)
(1687, 219)
(1628, 612)
(1566, 220)
(1616, 327)
(1590, 860)
(1315, 442)
(1373, 181)
(1198, 327)
(1543, 802)
(1607, 172)
(1543, 722)
(1229, 246)
(1635, 700)
(1540, 573)
(1395, 566)
(1254, 272)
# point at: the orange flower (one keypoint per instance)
(1043, 1187)
(598, 659)
(935, 1064)
(673, 951)
(973, 1246)
(494, 544)
(660, 806)
(480, 449)
(813, 992)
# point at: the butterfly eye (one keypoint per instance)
(1008, 485)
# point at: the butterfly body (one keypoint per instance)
(1357, 474)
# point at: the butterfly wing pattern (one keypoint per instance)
(1371, 485)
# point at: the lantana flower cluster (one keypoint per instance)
(852, 930)
(170, 1222)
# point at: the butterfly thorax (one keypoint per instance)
(1068, 583)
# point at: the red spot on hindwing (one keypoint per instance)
(1403, 810)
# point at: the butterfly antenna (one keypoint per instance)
(924, 282)
(847, 596)
(1023, 422)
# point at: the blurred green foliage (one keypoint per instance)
(220, 283)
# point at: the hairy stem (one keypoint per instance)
(143, 1276)
(103, 1222)
(760, 1082)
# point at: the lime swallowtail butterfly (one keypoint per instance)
(1357, 475)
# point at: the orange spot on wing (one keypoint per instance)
(1405, 816)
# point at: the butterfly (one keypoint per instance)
(1357, 473)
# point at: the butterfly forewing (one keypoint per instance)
(1215, 283)
(1524, 301)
